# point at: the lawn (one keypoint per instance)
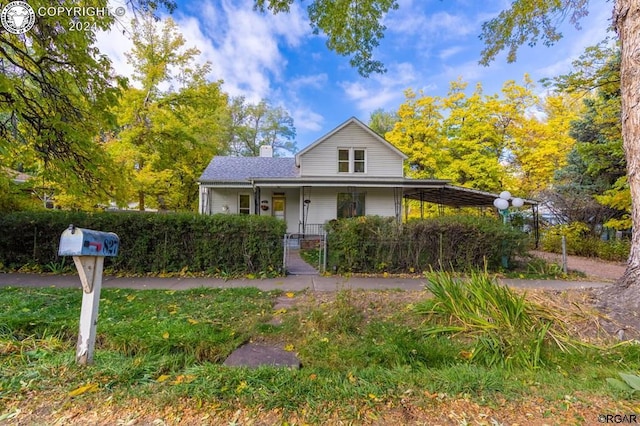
(373, 357)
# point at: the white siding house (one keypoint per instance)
(351, 171)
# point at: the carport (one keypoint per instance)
(446, 194)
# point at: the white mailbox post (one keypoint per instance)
(88, 248)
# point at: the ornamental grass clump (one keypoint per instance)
(502, 327)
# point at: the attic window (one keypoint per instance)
(358, 160)
(343, 160)
(351, 160)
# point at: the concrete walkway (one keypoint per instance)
(297, 266)
(288, 283)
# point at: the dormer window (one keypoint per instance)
(352, 160)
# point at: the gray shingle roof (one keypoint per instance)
(243, 168)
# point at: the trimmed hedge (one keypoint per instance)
(150, 242)
(376, 244)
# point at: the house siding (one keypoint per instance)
(229, 197)
(292, 205)
(322, 160)
(324, 203)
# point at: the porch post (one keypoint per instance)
(256, 200)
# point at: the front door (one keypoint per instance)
(279, 204)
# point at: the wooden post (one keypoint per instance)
(90, 271)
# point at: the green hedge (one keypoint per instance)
(376, 244)
(151, 243)
(581, 242)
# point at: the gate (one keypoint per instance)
(292, 263)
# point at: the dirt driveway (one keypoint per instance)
(593, 268)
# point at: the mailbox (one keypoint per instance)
(88, 248)
(86, 242)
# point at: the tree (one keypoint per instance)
(382, 122)
(55, 93)
(418, 134)
(531, 21)
(541, 144)
(486, 142)
(249, 126)
(353, 28)
(169, 126)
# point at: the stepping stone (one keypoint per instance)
(255, 355)
(284, 302)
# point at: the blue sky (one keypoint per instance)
(428, 44)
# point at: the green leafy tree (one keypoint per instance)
(169, 126)
(528, 21)
(353, 28)
(593, 186)
(382, 122)
(56, 90)
(249, 126)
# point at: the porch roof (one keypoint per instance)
(427, 190)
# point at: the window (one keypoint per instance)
(358, 160)
(350, 204)
(343, 160)
(351, 160)
(244, 204)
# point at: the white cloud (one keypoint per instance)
(306, 120)
(316, 81)
(381, 91)
(449, 52)
(242, 45)
(114, 44)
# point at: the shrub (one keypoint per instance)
(581, 242)
(232, 244)
(376, 244)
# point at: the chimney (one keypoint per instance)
(266, 151)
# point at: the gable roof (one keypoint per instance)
(359, 123)
(238, 169)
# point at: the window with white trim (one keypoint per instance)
(358, 161)
(244, 204)
(343, 160)
(352, 160)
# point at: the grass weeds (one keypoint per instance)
(359, 353)
(505, 328)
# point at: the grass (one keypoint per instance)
(363, 354)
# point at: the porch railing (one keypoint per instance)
(311, 228)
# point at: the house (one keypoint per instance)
(350, 171)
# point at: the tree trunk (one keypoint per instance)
(626, 19)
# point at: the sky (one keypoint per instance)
(427, 45)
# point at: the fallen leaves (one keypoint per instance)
(90, 387)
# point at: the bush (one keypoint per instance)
(581, 242)
(230, 244)
(376, 244)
